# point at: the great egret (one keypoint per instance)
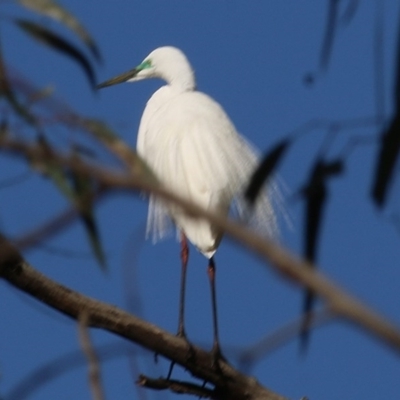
(193, 147)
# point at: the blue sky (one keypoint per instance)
(252, 57)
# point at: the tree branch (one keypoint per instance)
(176, 386)
(296, 270)
(229, 383)
(91, 356)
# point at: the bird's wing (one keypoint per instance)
(194, 149)
(227, 162)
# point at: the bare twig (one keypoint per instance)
(51, 227)
(256, 352)
(91, 356)
(180, 387)
(26, 386)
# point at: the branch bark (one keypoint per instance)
(292, 268)
(228, 382)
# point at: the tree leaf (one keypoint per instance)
(390, 143)
(264, 171)
(53, 171)
(56, 42)
(350, 11)
(79, 191)
(315, 195)
(100, 130)
(7, 92)
(330, 31)
(52, 9)
(83, 193)
(397, 71)
(386, 162)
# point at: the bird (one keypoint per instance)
(195, 151)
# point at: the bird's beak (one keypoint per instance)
(119, 78)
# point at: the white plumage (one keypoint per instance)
(193, 148)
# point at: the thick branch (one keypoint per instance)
(280, 259)
(229, 383)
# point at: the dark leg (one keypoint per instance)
(184, 259)
(216, 350)
(181, 322)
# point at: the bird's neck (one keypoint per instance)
(181, 78)
(182, 85)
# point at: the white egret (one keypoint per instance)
(193, 148)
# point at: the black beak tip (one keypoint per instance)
(101, 86)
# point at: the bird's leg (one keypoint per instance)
(181, 324)
(216, 350)
(184, 260)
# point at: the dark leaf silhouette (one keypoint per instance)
(389, 145)
(388, 154)
(83, 191)
(56, 42)
(52, 9)
(80, 192)
(397, 72)
(51, 169)
(329, 36)
(315, 194)
(264, 171)
(7, 92)
(350, 11)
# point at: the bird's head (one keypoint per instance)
(167, 63)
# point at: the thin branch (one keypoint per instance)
(256, 352)
(379, 60)
(330, 32)
(15, 180)
(232, 383)
(281, 260)
(175, 386)
(53, 369)
(52, 226)
(336, 125)
(94, 374)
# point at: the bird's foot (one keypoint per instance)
(191, 353)
(217, 357)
